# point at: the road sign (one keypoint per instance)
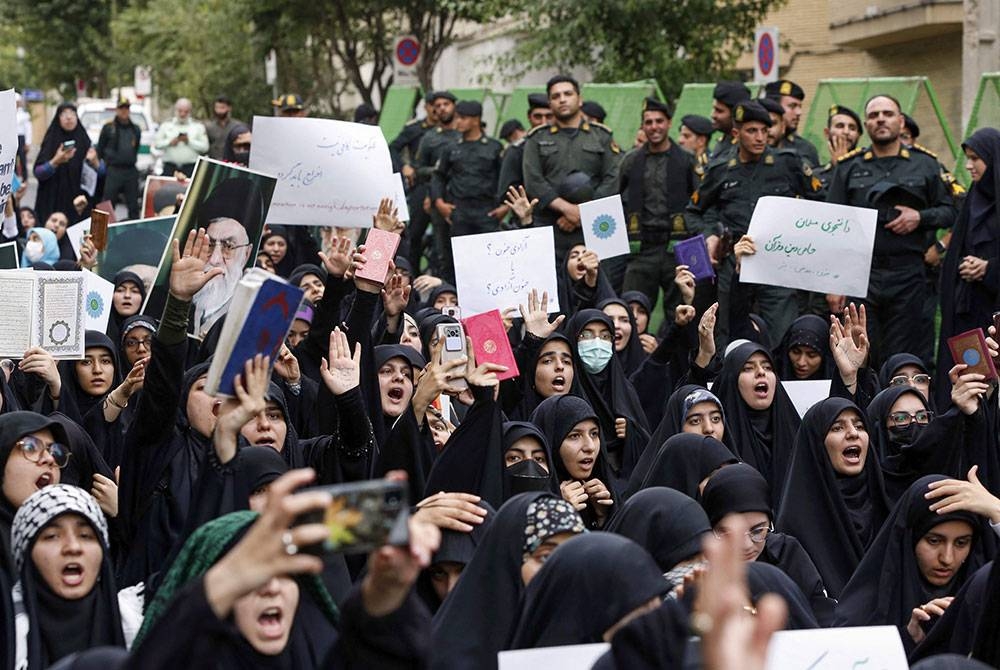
(765, 54)
(271, 68)
(143, 81)
(406, 53)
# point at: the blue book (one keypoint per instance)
(259, 316)
(693, 252)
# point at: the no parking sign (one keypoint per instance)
(405, 56)
(765, 55)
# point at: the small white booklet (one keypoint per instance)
(42, 309)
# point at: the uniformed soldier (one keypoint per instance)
(511, 173)
(553, 155)
(777, 130)
(512, 131)
(906, 186)
(403, 152)
(593, 111)
(656, 181)
(431, 147)
(725, 97)
(464, 185)
(842, 132)
(724, 202)
(118, 146)
(911, 130)
(790, 95)
(694, 136)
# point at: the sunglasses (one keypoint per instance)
(32, 448)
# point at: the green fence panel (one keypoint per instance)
(397, 109)
(623, 103)
(516, 106)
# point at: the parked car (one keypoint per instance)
(93, 116)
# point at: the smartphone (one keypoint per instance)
(69, 144)
(453, 311)
(99, 228)
(362, 517)
(453, 336)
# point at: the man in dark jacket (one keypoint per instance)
(118, 146)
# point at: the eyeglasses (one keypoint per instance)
(757, 534)
(225, 247)
(903, 380)
(132, 343)
(588, 335)
(903, 419)
(31, 448)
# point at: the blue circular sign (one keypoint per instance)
(765, 54)
(408, 51)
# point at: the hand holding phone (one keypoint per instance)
(69, 144)
(362, 517)
(455, 347)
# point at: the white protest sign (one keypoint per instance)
(399, 198)
(604, 229)
(329, 172)
(75, 233)
(8, 143)
(98, 294)
(806, 393)
(498, 270)
(567, 656)
(836, 648)
(816, 246)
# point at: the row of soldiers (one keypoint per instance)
(457, 178)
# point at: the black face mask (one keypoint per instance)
(904, 436)
(525, 476)
(242, 157)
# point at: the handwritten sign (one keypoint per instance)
(815, 246)
(498, 270)
(836, 648)
(8, 143)
(604, 229)
(566, 656)
(329, 172)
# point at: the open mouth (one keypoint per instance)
(44, 480)
(265, 442)
(270, 622)
(852, 455)
(760, 389)
(72, 574)
(559, 383)
(586, 462)
(395, 394)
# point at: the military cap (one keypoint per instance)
(289, 101)
(508, 128)
(771, 105)
(429, 97)
(125, 102)
(447, 95)
(731, 93)
(363, 112)
(699, 125)
(846, 111)
(775, 89)
(469, 108)
(911, 125)
(751, 111)
(651, 104)
(538, 101)
(593, 110)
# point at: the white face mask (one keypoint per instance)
(34, 250)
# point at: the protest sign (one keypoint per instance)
(230, 203)
(136, 246)
(399, 197)
(9, 259)
(498, 270)
(815, 246)
(604, 229)
(160, 194)
(806, 393)
(836, 648)
(8, 144)
(329, 172)
(42, 309)
(566, 656)
(98, 294)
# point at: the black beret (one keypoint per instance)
(364, 111)
(429, 97)
(751, 111)
(911, 125)
(771, 105)
(469, 108)
(731, 93)
(651, 104)
(699, 125)
(447, 95)
(846, 111)
(593, 110)
(508, 128)
(784, 87)
(538, 101)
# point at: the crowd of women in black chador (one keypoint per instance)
(147, 524)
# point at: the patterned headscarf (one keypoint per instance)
(45, 505)
(548, 516)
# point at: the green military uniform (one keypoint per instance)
(801, 146)
(403, 151)
(896, 288)
(511, 172)
(432, 146)
(655, 189)
(723, 148)
(724, 203)
(552, 153)
(118, 146)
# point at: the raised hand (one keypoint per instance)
(251, 389)
(684, 314)
(189, 271)
(451, 511)
(684, 279)
(706, 336)
(39, 362)
(387, 217)
(955, 495)
(341, 372)
(517, 200)
(967, 390)
(590, 263)
(745, 247)
(395, 296)
(287, 365)
(849, 353)
(338, 260)
(536, 315)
